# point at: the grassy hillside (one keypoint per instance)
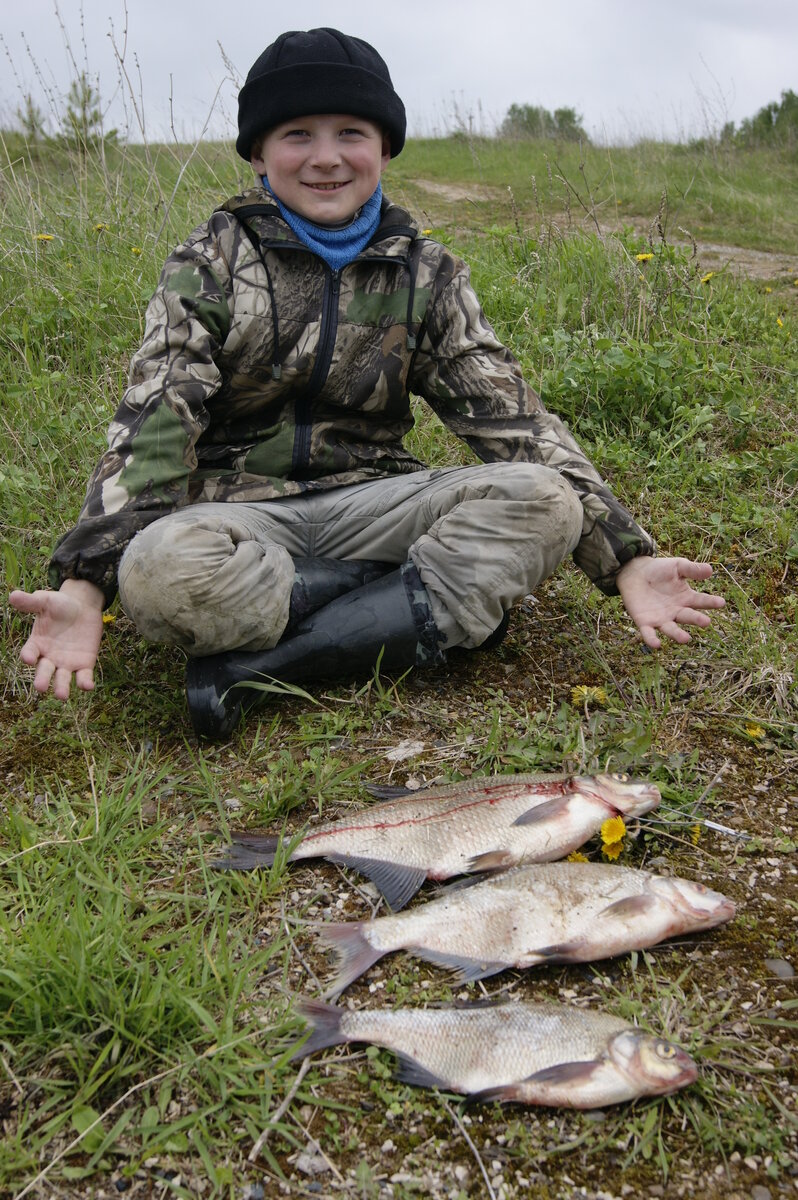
(145, 999)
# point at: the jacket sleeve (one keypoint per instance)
(151, 442)
(475, 386)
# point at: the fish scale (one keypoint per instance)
(473, 825)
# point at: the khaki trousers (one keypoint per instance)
(214, 577)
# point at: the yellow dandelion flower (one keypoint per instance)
(779, 322)
(706, 278)
(613, 850)
(584, 693)
(135, 249)
(70, 265)
(613, 830)
(99, 227)
(426, 232)
(44, 237)
(108, 618)
(754, 731)
(768, 291)
(644, 257)
(695, 834)
(576, 856)
(795, 283)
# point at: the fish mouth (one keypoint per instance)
(706, 910)
(686, 1074)
(620, 794)
(643, 799)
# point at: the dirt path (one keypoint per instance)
(754, 264)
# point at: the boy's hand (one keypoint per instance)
(656, 594)
(65, 638)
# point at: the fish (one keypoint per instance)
(532, 1053)
(561, 912)
(479, 824)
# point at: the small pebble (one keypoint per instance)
(760, 1192)
(780, 967)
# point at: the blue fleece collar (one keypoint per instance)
(336, 246)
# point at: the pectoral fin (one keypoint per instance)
(545, 811)
(571, 1072)
(397, 883)
(563, 1073)
(630, 906)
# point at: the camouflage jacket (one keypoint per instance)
(263, 373)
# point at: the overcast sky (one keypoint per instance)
(632, 68)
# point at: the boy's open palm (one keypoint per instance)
(657, 595)
(65, 639)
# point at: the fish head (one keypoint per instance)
(633, 797)
(698, 905)
(654, 1066)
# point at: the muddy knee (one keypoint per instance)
(192, 584)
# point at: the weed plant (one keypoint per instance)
(145, 999)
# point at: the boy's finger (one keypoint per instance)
(27, 602)
(85, 679)
(44, 673)
(62, 683)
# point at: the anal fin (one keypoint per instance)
(467, 970)
(397, 883)
(410, 1071)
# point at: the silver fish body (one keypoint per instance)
(476, 825)
(543, 913)
(532, 1053)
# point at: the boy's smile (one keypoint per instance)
(325, 166)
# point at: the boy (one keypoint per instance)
(256, 505)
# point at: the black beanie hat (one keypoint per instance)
(321, 71)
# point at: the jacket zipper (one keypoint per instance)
(304, 405)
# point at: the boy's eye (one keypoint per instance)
(295, 133)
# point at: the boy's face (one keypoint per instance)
(324, 167)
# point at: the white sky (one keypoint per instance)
(632, 68)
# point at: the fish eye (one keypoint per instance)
(665, 1050)
(700, 888)
(620, 777)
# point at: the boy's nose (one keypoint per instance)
(325, 153)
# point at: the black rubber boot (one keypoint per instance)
(318, 581)
(388, 620)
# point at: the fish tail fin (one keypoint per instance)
(248, 850)
(325, 1022)
(355, 952)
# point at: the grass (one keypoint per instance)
(145, 1000)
